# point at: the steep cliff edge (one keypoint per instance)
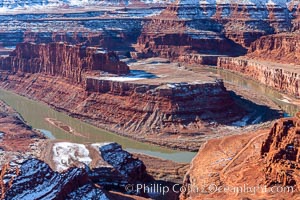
(284, 48)
(255, 165)
(181, 112)
(282, 77)
(281, 152)
(272, 60)
(154, 108)
(213, 27)
(182, 29)
(61, 59)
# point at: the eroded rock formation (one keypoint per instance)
(281, 152)
(134, 109)
(61, 59)
(284, 48)
(180, 29)
(255, 165)
(34, 179)
(201, 26)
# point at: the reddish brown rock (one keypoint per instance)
(283, 48)
(171, 35)
(144, 109)
(256, 165)
(199, 59)
(263, 62)
(147, 112)
(14, 133)
(282, 77)
(281, 152)
(61, 59)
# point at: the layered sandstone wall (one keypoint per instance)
(284, 78)
(144, 112)
(283, 48)
(199, 59)
(47, 73)
(61, 59)
(172, 37)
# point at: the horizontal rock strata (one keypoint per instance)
(284, 78)
(60, 59)
(131, 108)
(284, 48)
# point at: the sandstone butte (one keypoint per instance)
(266, 158)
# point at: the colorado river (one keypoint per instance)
(35, 114)
(285, 102)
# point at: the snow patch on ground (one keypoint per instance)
(65, 154)
(242, 122)
(1, 136)
(134, 75)
(98, 145)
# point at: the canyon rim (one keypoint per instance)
(150, 99)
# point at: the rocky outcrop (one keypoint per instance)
(169, 108)
(131, 108)
(106, 164)
(281, 152)
(283, 48)
(178, 31)
(255, 165)
(131, 168)
(34, 179)
(109, 166)
(284, 78)
(211, 27)
(14, 133)
(61, 59)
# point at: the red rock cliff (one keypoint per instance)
(281, 151)
(61, 59)
(284, 78)
(283, 48)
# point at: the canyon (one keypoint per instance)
(272, 60)
(159, 104)
(33, 167)
(50, 167)
(148, 28)
(138, 68)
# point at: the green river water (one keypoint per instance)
(34, 113)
